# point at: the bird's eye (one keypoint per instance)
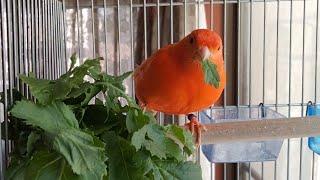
(191, 40)
(219, 48)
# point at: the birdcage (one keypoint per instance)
(270, 53)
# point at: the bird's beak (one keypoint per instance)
(203, 53)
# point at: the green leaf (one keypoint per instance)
(77, 147)
(210, 73)
(17, 170)
(136, 120)
(47, 91)
(168, 169)
(114, 89)
(90, 67)
(98, 119)
(32, 139)
(50, 118)
(73, 59)
(153, 138)
(68, 85)
(120, 153)
(139, 138)
(183, 137)
(81, 151)
(49, 166)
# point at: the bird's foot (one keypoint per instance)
(195, 126)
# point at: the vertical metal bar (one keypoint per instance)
(289, 112)
(171, 41)
(249, 171)
(302, 76)
(33, 38)
(20, 57)
(316, 79)
(264, 53)
(211, 171)
(45, 39)
(211, 14)
(211, 28)
(158, 25)
(106, 35)
(10, 58)
(25, 43)
(198, 14)
(38, 38)
(54, 40)
(277, 55)
(171, 23)
(238, 70)
(60, 40)
(65, 37)
(145, 28)
(264, 67)
(161, 121)
(4, 87)
(41, 45)
(79, 26)
(250, 71)
(316, 58)
(238, 171)
(225, 66)
(58, 55)
(10, 68)
(119, 31)
(3, 81)
(29, 39)
(93, 30)
(40, 29)
(51, 66)
(57, 40)
(185, 17)
(250, 54)
(238, 55)
(57, 20)
(131, 45)
(225, 48)
(15, 43)
(225, 171)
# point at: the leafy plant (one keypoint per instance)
(60, 135)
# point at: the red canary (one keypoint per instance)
(172, 81)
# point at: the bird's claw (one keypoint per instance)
(195, 126)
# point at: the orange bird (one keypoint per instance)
(172, 81)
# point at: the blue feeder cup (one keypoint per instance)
(242, 151)
(313, 142)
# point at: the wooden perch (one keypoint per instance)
(260, 130)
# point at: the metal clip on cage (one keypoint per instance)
(242, 151)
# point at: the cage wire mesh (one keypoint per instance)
(270, 53)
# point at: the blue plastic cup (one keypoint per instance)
(313, 142)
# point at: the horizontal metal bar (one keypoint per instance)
(261, 130)
(87, 4)
(265, 105)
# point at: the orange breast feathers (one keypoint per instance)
(172, 79)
